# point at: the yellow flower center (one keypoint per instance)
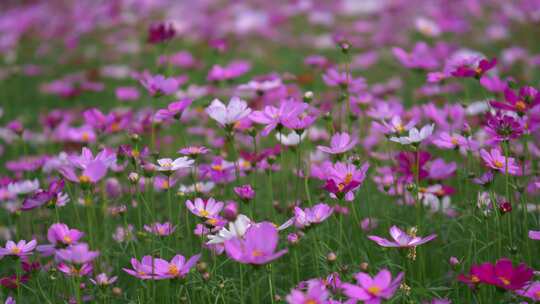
(537, 295)
(85, 136)
(475, 279)
(374, 290)
(15, 250)
(504, 280)
(84, 179)
(67, 239)
(212, 221)
(400, 128)
(498, 164)
(521, 106)
(165, 184)
(454, 141)
(204, 213)
(173, 270)
(256, 253)
(135, 153)
(217, 167)
(310, 301)
(115, 127)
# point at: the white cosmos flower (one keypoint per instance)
(227, 115)
(237, 229)
(23, 187)
(292, 139)
(167, 164)
(415, 136)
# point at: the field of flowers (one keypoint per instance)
(301, 152)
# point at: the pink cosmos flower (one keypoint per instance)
(103, 279)
(421, 57)
(59, 235)
(531, 291)
(169, 165)
(245, 192)
(228, 115)
(194, 151)
(315, 293)
(446, 140)
(52, 196)
(77, 254)
(173, 110)
(257, 246)
(496, 161)
(161, 229)
(158, 85)
(127, 93)
(232, 70)
(373, 290)
(314, 215)
(340, 143)
(343, 179)
(334, 78)
(534, 235)
(176, 268)
(19, 249)
(205, 208)
(274, 117)
(145, 269)
(401, 239)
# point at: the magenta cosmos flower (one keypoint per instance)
(176, 268)
(401, 239)
(160, 32)
(501, 127)
(315, 293)
(173, 110)
(19, 249)
(520, 103)
(342, 179)
(496, 161)
(53, 196)
(205, 208)
(475, 70)
(373, 290)
(257, 246)
(502, 274)
(340, 143)
(534, 235)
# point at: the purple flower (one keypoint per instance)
(496, 161)
(439, 169)
(173, 110)
(257, 246)
(59, 235)
(144, 269)
(19, 249)
(421, 57)
(314, 215)
(158, 85)
(373, 290)
(526, 99)
(274, 117)
(103, 280)
(343, 179)
(228, 115)
(160, 229)
(160, 32)
(343, 80)
(245, 192)
(401, 239)
(446, 140)
(531, 291)
(127, 93)
(534, 235)
(205, 208)
(340, 143)
(77, 254)
(176, 268)
(53, 196)
(502, 127)
(233, 70)
(315, 293)
(474, 70)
